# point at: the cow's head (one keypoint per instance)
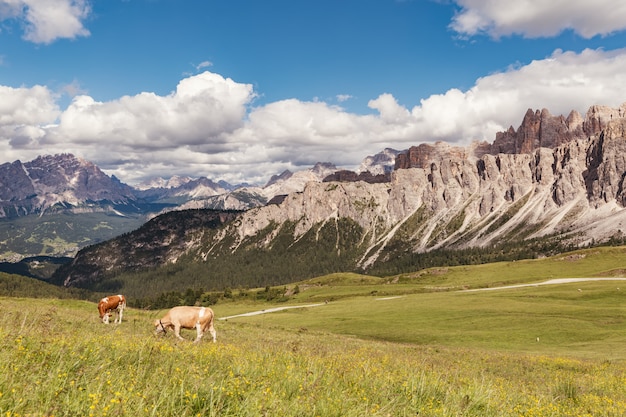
(159, 327)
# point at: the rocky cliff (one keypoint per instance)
(453, 199)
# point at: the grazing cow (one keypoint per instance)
(115, 303)
(200, 318)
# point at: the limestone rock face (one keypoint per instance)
(422, 155)
(606, 165)
(598, 117)
(539, 129)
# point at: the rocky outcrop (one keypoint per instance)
(606, 165)
(290, 182)
(424, 154)
(598, 118)
(539, 129)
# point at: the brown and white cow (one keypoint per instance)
(186, 317)
(111, 303)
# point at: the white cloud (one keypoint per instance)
(72, 89)
(24, 113)
(539, 18)
(389, 109)
(48, 20)
(203, 65)
(206, 126)
(27, 106)
(563, 82)
(203, 108)
(343, 97)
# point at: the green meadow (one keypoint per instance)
(410, 345)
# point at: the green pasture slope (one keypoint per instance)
(417, 344)
(581, 319)
(60, 234)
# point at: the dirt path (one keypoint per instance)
(506, 287)
(548, 282)
(270, 310)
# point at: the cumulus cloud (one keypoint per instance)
(539, 18)
(563, 82)
(203, 108)
(209, 125)
(27, 106)
(24, 114)
(389, 109)
(45, 21)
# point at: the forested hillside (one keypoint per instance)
(136, 262)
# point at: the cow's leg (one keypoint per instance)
(105, 318)
(208, 326)
(118, 316)
(198, 332)
(177, 331)
(213, 332)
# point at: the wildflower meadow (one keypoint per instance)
(57, 359)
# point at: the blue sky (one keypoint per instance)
(242, 89)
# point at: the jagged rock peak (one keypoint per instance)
(322, 169)
(539, 129)
(288, 182)
(283, 176)
(160, 182)
(381, 163)
(351, 176)
(34, 186)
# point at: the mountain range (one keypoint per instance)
(57, 204)
(553, 182)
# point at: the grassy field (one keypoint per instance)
(590, 323)
(415, 345)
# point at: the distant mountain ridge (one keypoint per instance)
(439, 196)
(33, 191)
(57, 181)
